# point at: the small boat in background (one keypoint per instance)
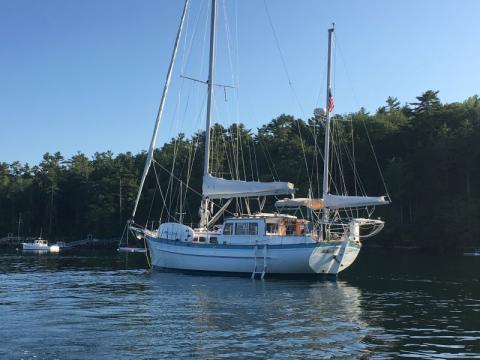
(131, 249)
(124, 245)
(38, 245)
(475, 252)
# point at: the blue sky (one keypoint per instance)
(87, 75)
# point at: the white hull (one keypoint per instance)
(128, 249)
(308, 258)
(36, 247)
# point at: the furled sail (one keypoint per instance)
(218, 188)
(314, 204)
(341, 202)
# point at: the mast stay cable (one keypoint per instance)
(153, 141)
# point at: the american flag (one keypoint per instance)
(331, 102)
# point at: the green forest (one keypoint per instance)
(428, 151)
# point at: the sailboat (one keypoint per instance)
(262, 243)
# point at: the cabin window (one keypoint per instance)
(228, 229)
(290, 229)
(272, 228)
(242, 228)
(245, 228)
(213, 240)
(201, 239)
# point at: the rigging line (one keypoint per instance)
(240, 145)
(339, 156)
(345, 147)
(304, 154)
(146, 253)
(255, 156)
(317, 151)
(322, 82)
(277, 42)
(161, 192)
(250, 161)
(229, 48)
(202, 14)
(229, 150)
(151, 206)
(309, 125)
(357, 179)
(170, 180)
(224, 149)
(268, 158)
(340, 159)
(185, 37)
(363, 121)
(177, 191)
(375, 157)
(353, 157)
(282, 58)
(192, 189)
(195, 140)
(153, 140)
(236, 149)
(227, 32)
(191, 40)
(190, 166)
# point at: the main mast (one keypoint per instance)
(210, 89)
(326, 159)
(204, 206)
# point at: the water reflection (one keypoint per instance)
(96, 305)
(253, 318)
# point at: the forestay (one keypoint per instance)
(218, 188)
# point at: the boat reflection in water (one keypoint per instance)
(238, 316)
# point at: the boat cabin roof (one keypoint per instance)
(266, 216)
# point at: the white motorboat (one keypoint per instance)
(38, 244)
(320, 237)
(131, 249)
(474, 252)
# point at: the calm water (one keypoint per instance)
(85, 305)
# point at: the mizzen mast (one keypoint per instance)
(329, 108)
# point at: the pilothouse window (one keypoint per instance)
(246, 228)
(228, 229)
(272, 229)
(241, 228)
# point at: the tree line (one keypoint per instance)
(428, 152)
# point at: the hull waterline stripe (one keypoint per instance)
(212, 255)
(247, 246)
